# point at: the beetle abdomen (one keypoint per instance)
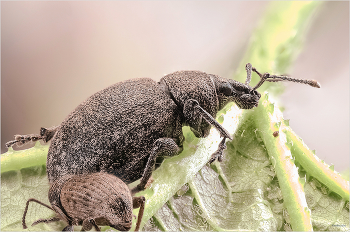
(115, 125)
(97, 195)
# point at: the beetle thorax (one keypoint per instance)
(196, 85)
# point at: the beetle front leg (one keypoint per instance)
(162, 146)
(194, 114)
(68, 228)
(218, 153)
(45, 135)
(88, 224)
(139, 202)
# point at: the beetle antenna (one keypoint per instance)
(26, 209)
(248, 68)
(274, 78)
(312, 83)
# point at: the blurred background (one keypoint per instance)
(56, 54)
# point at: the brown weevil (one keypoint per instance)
(91, 200)
(125, 127)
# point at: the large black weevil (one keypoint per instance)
(91, 200)
(123, 129)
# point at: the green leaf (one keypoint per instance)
(255, 188)
(252, 189)
(16, 188)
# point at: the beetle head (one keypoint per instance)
(119, 215)
(233, 91)
(245, 96)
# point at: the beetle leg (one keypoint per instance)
(61, 214)
(48, 133)
(139, 202)
(26, 209)
(218, 153)
(162, 146)
(45, 135)
(54, 219)
(68, 228)
(20, 140)
(92, 221)
(88, 223)
(86, 226)
(194, 113)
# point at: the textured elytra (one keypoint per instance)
(124, 129)
(98, 196)
(91, 200)
(100, 133)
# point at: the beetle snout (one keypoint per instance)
(248, 101)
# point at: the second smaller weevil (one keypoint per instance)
(91, 200)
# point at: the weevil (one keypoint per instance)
(91, 200)
(125, 127)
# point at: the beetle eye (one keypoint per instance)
(226, 89)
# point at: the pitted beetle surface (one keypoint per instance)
(125, 127)
(91, 200)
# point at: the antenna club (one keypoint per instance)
(315, 84)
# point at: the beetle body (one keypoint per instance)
(92, 200)
(115, 129)
(124, 128)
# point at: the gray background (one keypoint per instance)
(56, 54)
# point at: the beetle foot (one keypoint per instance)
(149, 182)
(136, 190)
(216, 155)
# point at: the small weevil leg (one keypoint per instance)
(20, 140)
(68, 228)
(194, 113)
(54, 219)
(139, 202)
(95, 225)
(88, 224)
(26, 209)
(218, 153)
(162, 146)
(48, 133)
(61, 214)
(45, 135)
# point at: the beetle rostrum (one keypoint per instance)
(91, 200)
(125, 127)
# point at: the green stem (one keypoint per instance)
(268, 118)
(16, 160)
(315, 167)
